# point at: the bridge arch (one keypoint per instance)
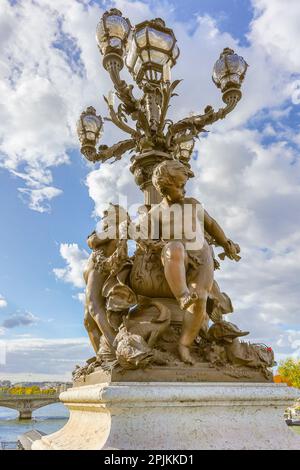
(8, 413)
(51, 411)
(26, 404)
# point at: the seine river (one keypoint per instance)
(47, 419)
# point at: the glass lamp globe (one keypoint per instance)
(186, 149)
(112, 32)
(229, 70)
(89, 129)
(151, 49)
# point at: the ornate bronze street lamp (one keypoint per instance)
(157, 318)
(149, 51)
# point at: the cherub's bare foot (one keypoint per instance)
(185, 354)
(187, 300)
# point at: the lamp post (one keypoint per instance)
(149, 51)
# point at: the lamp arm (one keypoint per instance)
(123, 91)
(116, 150)
(184, 138)
(132, 106)
(115, 118)
(195, 124)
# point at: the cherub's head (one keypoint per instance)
(113, 216)
(169, 178)
(113, 225)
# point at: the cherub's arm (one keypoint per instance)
(215, 231)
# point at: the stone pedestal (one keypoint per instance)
(181, 416)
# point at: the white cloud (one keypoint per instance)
(75, 259)
(2, 350)
(38, 198)
(115, 184)
(40, 357)
(80, 296)
(276, 30)
(19, 319)
(3, 302)
(47, 80)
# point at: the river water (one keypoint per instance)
(47, 419)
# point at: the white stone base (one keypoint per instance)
(181, 416)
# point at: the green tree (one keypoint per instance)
(289, 370)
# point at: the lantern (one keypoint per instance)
(152, 51)
(229, 70)
(112, 32)
(89, 128)
(186, 149)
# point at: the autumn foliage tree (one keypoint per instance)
(289, 371)
(33, 390)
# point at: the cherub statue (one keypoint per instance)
(186, 256)
(107, 259)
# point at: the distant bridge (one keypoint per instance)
(26, 404)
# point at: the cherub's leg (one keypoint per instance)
(195, 316)
(92, 330)
(96, 305)
(174, 259)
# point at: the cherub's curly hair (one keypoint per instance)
(166, 173)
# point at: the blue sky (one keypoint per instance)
(31, 243)
(50, 198)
